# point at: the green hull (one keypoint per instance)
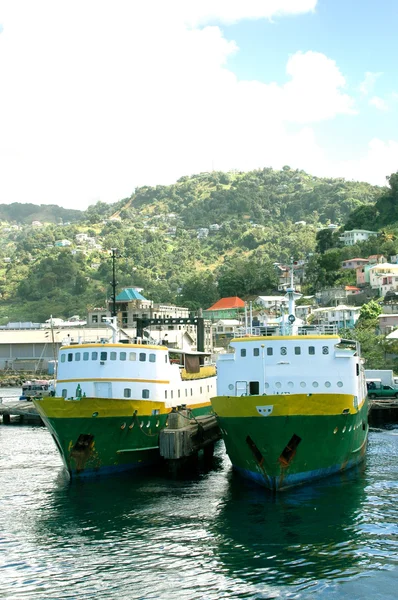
(97, 445)
(283, 451)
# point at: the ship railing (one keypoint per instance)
(265, 330)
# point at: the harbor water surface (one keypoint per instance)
(207, 535)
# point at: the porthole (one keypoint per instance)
(344, 429)
(325, 349)
(283, 350)
(290, 384)
(335, 430)
(230, 387)
(266, 385)
(302, 384)
(327, 384)
(278, 384)
(148, 424)
(350, 428)
(157, 423)
(315, 384)
(339, 384)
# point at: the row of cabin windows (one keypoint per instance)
(123, 356)
(254, 386)
(145, 392)
(283, 351)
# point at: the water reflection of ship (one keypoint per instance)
(303, 536)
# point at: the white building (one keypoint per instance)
(384, 278)
(350, 238)
(202, 232)
(340, 316)
(271, 301)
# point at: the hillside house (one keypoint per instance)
(226, 308)
(62, 243)
(270, 302)
(387, 322)
(383, 277)
(202, 232)
(350, 238)
(354, 263)
(341, 316)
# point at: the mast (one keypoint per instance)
(114, 282)
(292, 296)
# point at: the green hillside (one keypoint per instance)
(254, 216)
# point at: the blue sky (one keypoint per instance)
(97, 98)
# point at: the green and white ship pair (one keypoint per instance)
(291, 406)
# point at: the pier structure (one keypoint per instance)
(185, 436)
(24, 410)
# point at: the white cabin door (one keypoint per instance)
(241, 388)
(103, 389)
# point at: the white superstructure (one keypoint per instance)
(298, 364)
(135, 371)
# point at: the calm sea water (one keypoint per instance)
(207, 536)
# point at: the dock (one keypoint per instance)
(383, 411)
(185, 436)
(23, 410)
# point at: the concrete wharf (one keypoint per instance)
(24, 410)
(383, 411)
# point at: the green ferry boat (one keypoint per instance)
(112, 399)
(292, 406)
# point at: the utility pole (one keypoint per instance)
(114, 282)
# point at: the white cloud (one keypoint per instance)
(378, 103)
(380, 160)
(232, 11)
(367, 85)
(96, 100)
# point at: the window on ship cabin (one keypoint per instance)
(297, 350)
(94, 356)
(132, 356)
(70, 357)
(254, 388)
(179, 393)
(142, 356)
(127, 392)
(243, 352)
(171, 394)
(270, 351)
(152, 357)
(283, 350)
(94, 318)
(86, 355)
(145, 394)
(64, 393)
(325, 349)
(165, 394)
(103, 355)
(113, 355)
(123, 355)
(311, 349)
(63, 357)
(256, 351)
(77, 356)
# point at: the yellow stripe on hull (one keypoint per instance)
(285, 405)
(60, 408)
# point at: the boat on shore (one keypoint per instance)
(36, 388)
(112, 399)
(292, 406)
